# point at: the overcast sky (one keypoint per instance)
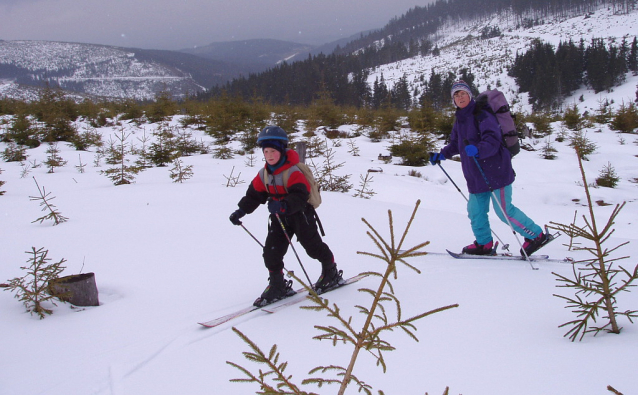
(175, 24)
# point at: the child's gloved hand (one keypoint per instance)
(234, 217)
(277, 207)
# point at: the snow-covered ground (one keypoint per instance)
(165, 257)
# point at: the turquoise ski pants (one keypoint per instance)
(478, 206)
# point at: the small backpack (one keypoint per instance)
(315, 196)
(494, 102)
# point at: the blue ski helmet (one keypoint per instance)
(272, 133)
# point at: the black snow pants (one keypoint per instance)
(303, 224)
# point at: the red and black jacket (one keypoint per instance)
(295, 193)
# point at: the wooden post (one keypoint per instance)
(78, 289)
(300, 148)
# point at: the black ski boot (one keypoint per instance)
(330, 278)
(532, 245)
(278, 288)
(480, 249)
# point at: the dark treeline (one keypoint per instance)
(549, 74)
(302, 82)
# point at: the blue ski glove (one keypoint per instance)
(234, 217)
(471, 150)
(277, 207)
(436, 158)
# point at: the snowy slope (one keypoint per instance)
(165, 257)
(489, 59)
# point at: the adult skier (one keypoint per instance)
(476, 137)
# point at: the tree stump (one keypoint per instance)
(78, 289)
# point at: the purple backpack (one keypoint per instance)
(494, 102)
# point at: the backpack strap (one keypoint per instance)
(480, 116)
(265, 178)
(318, 220)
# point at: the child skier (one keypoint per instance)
(289, 203)
(481, 138)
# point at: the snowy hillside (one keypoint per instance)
(489, 59)
(165, 257)
(96, 70)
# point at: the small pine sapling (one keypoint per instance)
(315, 147)
(14, 153)
(352, 148)
(48, 207)
(121, 173)
(179, 172)
(607, 177)
(32, 289)
(185, 144)
(326, 176)
(248, 139)
(53, 158)
(272, 378)
(222, 151)
(162, 150)
(97, 159)
(25, 169)
(81, 166)
(597, 281)
(233, 181)
(364, 190)
(583, 145)
(83, 140)
(548, 151)
(251, 160)
(143, 156)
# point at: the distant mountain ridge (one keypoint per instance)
(133, 73)
(261, 54)
(258, 54)
(109, 72)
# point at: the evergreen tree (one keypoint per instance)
(33, 288)
(569, 59)
(401, 97)
(597, 65)
(121, 173)
(626, 119)
(379, 92)
(162, 108)
(537, 72)
(53, 158)
(23, 132)
(632, 57)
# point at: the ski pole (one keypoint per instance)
(251, 235)
(259, 242)
(501, 208)
(293, 247)
(503, 245)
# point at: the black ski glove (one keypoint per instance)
(234, 217)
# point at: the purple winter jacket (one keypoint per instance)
(493, 156)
